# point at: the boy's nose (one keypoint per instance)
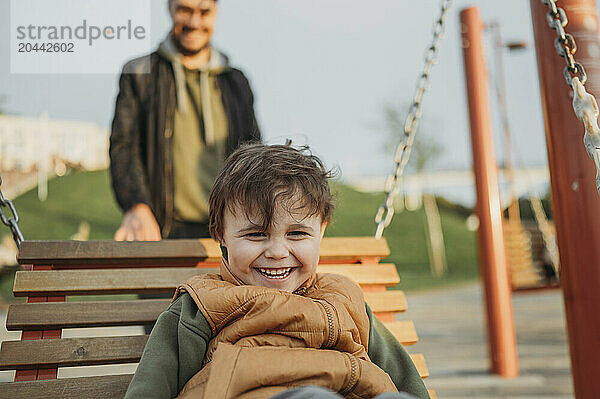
(276, 249)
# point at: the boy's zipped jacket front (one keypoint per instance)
(266, 341)
(177, 350)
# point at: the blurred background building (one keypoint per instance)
(35, 149)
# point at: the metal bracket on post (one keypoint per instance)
(586, 109)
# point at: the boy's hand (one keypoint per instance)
(138, 224)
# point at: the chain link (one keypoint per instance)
(564, 43)
(12, 221)
(584, 103)
(385, 213)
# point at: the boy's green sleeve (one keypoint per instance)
(174, 352)
(387, 353)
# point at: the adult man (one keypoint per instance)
(174, 125)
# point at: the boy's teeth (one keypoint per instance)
(276, 273)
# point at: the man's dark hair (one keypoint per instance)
(255, 177)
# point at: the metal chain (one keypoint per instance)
(564, 43)
(584, 103)
(385, 213)
(11, 222)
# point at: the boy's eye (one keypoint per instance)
(255, 234)
(298, 233)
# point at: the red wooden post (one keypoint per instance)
(574, 197)
(500, 326)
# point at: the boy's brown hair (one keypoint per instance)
(256, 176)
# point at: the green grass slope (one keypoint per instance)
(72, 199)
(407, 240)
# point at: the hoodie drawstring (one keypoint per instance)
(209, 128)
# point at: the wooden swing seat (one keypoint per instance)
(525, 246)
(55, 270)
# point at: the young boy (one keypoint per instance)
(268, 322)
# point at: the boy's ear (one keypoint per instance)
(323, 226)
(224, 253)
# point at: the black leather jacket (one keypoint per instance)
(141, 148)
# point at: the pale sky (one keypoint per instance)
(321, 72)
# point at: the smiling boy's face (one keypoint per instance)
(284, 257)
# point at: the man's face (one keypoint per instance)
(193, 24)
(284, 257)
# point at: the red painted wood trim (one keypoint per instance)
(41, 374)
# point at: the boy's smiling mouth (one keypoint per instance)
(275, 273)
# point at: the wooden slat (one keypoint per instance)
(419, 361)
(37, 316)
(383, 273)
(386, 301)
(106, 387)
(49, 315)
(129, 281)
(404, 331)
(67, 352)
(125, 252)
(172, 252)
(353, 248)
(101, 281)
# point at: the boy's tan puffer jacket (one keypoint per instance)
(266, 341)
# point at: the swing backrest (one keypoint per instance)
(61, 277)
(525, 255)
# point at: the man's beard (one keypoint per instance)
(189, 52)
